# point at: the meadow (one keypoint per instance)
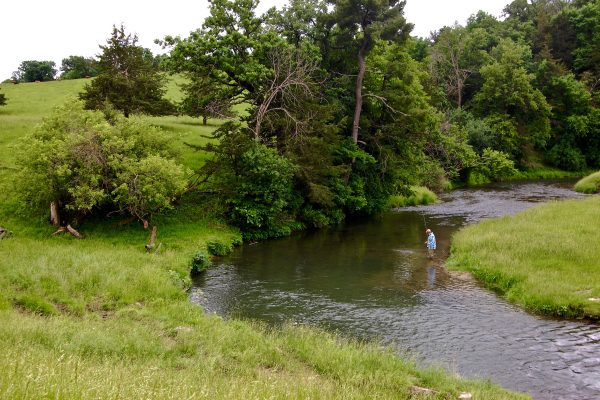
(101, 318)
(544, 259)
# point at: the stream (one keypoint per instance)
(371, 279)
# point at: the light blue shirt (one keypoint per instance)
(431, 241)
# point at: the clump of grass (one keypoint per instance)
(543, 259)
(200, 262)
(543, 173)
(590, 184)
(419, 196)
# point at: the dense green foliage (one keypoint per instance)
(590, 184)
(82, 162)
(128, 79)
(470, 104)
(543, 259)
(35, 71)
(2, 99)
(76, 67)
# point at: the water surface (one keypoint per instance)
(372, 279)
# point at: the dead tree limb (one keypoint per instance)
(73, 232)
(60, 231)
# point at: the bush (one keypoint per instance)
(493, 166)
(79, 160)
(218, 248)
(200, 262)
(255, 183)
(564, 156)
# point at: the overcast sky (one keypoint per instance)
(60, 28)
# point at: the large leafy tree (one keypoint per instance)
(33, 71)
(76, 67)
(508, 94)
(205, 98)
(127, 79)
(230, 48)
(361, 23)
(80, 163)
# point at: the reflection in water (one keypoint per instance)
(372, 279)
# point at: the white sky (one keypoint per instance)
(72, 27)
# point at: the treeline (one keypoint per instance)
(344, 108)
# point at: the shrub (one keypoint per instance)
(255, 183)
(562, 155)
(200, 262)
(493, 166)
(79, 160)
(218, 248)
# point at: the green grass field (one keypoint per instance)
(545, 259)
(100, 318)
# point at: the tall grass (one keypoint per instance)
(100, 318)
(544, 259)
(419, 195)
(590, 184)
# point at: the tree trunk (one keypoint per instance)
(152, 240)
(204, 119)
(362, 64)
(54, 214)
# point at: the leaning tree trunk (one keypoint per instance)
(358, 90)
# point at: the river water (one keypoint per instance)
(371, 279)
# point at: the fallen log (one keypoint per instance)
(60, 231)
(68, 229)
(73, 232)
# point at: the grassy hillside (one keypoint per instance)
(545, 259)
(101, 318)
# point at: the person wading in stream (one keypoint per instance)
(431, 245)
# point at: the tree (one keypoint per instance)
(127, 79)
(2, 99)
(231, 49)
(447, 64)
(298, 21)
(509, 95)
(362, 23)
(82, 164)
(33, 71)
(76, 67)
(204, 97)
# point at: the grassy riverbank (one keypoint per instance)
(545, 259)
(420, 195)
(101, 318)
(589, 184)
